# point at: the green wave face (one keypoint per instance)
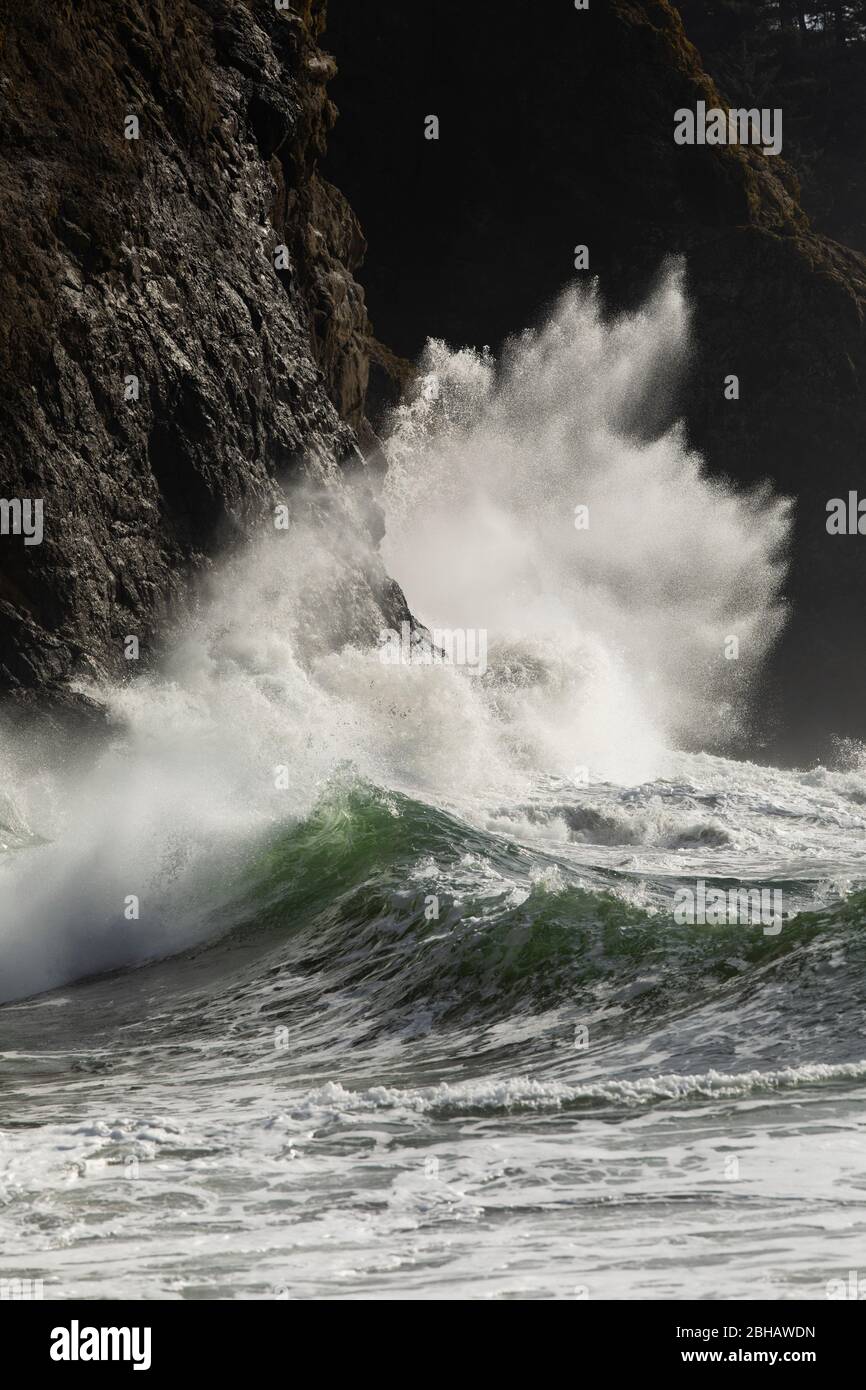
(380, 920)
(391, 909)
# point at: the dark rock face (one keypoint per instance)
(153, 258)
(557, 130)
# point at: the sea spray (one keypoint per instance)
(605, 646)
(488, 463)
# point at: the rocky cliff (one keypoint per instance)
(556, 129)
(161, 375)
(164, 366)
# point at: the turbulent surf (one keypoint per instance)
(337, 976)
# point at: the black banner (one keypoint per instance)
(155, 1339)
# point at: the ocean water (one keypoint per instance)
(329, 977)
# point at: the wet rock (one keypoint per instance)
(160, 380)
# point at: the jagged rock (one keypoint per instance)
(154, 258)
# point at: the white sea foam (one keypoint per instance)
(618, 630)
(530, 1093)
(606, 644)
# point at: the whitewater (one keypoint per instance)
(327, 976)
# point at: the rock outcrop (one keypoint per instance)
(153, 259)
(161, 375)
